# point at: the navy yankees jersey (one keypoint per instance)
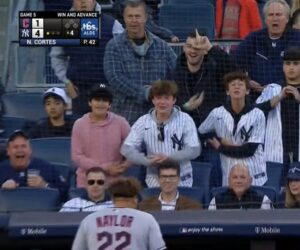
(119, 228)
(250, 128)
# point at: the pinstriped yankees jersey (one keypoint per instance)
(250, 128)
(179, 133)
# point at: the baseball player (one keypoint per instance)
(239, 130)
(122, 227)
(166, 133)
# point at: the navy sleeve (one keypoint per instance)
(245, 150)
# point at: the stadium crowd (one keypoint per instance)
(140, 108)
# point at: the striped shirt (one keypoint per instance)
(180, 143)
(250, 128)
(83, 205)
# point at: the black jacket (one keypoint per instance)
(209, 78)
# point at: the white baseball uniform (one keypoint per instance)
(119, 228)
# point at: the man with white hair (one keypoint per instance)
(239, 194)
(261, 53)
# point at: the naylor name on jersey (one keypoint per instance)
(114, 220)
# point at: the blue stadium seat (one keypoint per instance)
(53, 149)
(274, 173)
(67, 172)
(25, 105)
(266, 190)
(201, 173)
(194, 193)
(201, 177)
(10, 124)
(29, 199)
(182, 19)
(138, 172)
(77, 192)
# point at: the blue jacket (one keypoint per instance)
(262, 57)
(47, 171)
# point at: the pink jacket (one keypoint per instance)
(97, 144)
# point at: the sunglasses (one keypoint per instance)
(92, 182)
(161, 132)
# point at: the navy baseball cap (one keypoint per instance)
(101, 91)
(17, 133)
(294, 173)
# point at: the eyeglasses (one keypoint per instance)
(92, 182)
(168, 177)
(161, 132)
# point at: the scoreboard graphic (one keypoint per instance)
(71, 28)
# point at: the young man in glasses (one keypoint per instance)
(121, 227)
(165, 133)
(96, 197)
(169, 197)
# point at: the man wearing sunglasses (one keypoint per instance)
(95, 197)
(121, 227)
(167, 134)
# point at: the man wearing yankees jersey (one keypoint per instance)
(164, 133)
(121, 227)
(237, 130)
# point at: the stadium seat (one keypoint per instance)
(10, 124)
(274, 173)
(182, 19)
(24, 105)
(77, 192)
(67, 172)
(138, 172)
(281, 198)
(53, 149)
(201, 177)
(266, 190)
(201, 173)
(29, 199)
(195, 193)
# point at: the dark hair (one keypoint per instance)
(125, 188)
(292, 54)
(192, 34)
(101, 92)
(234, 75)
(169, 164)
(296, 17)
(94, 170)
(163, 87)
(134, 4)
